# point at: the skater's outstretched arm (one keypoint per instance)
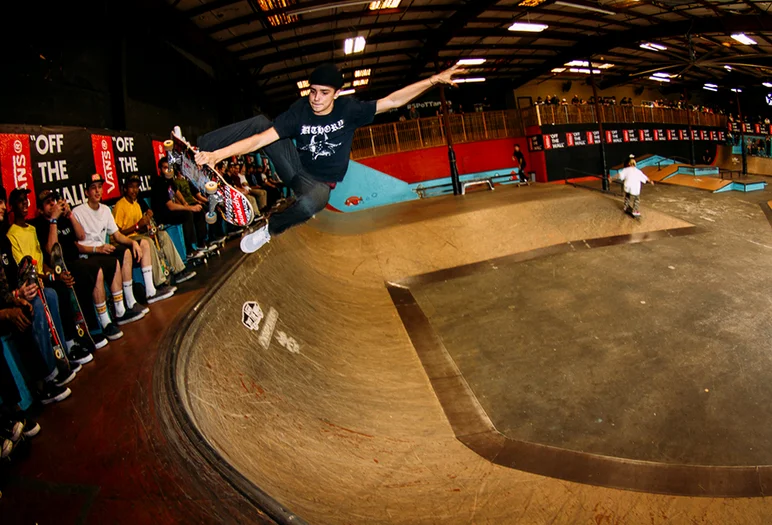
(406, 94)
(242, 147)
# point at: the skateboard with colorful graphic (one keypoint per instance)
(28, 274)
(153, 232)
(83, 335)
(234, 207)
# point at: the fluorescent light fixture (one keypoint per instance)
(584, 63)
(711, 85)
(659, 79)
(651, 46)
(606, 65)
(585, 7)
(528, 27)
(728, 68)
(558, 70)
(471, 61)
(384, 4)
(737, 90)
(465, 80)
(361, 73)
(662, 75)
(354, 45)
(361, 82)
(709, 88)
(584, 70)
(305, 92)
(767, 84)
(347, 92)
(740, 37)
(303, 84)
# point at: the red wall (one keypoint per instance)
(475, 157)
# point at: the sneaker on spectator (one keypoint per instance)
(132, 314)
(197, 254)
(161, 293)
(184, 275)
(74, 367)
(7, 448)
(53, 393)
(64, 378)
(100, 341)
(31, 427)
(11, 429)
(141, 308)
(112, 332)
(80, 355)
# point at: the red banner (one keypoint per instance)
(104, 161)
(158, 153)
(16, 165)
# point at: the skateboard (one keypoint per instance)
(152, 232)
(232, 204)
(28, 274)
(81, 328)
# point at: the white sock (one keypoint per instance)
(147, 274)
(69, 344)
(104, 317)
(128, 294)
(120, 310)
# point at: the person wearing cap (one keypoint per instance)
(54, 225)
(134, 220)
(24, 241)
(23, 316)
(322, 126)
(93, 222)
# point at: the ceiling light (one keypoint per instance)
(659, 79)
(737, 90)
(528, 27)
(653, 47)
(471, 61)
(384, 4)
(709, 88)
(558, 70)
(302, 84)
(711, 85)
(354, 45)
(584, 63)
(584, 70)
(305, 92)
(767, 84)
(530, 3)
(347, 92)
(465, 80)
(361, 73)
(661, 75)
(361, 82)
(728, 68)
(740, 37)
(585, 7)
(603, 66)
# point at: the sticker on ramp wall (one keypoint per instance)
(251, 315)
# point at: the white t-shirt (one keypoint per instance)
(632, 178)
(97, 223)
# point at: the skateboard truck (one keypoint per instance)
(214, 200)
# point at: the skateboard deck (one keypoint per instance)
(28, 274)
(234, 207)
(83, 337)
(165, 264)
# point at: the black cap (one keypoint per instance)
(17, 195)
(132, 178)
(96, 177)
(44, 195)
(326, 75)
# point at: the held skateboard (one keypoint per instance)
(152, 231)
(28, 274)
(81, 328)
(232, 204)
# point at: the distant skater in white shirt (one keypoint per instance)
(632, 178)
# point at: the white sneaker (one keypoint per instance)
(252, 242)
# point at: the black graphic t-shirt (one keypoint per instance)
(65, 234)
(324, 142)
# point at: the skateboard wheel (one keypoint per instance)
(58, 269)
(168, 145)
(80, 332)
(166, 272)
(211, 217)
(210, 187)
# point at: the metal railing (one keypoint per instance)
(396, 137)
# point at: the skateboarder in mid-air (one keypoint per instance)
(323, 127)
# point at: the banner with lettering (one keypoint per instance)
(64, 158)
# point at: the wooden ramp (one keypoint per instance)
(658, 175)
(700, 182)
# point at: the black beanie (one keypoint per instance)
(327, 75)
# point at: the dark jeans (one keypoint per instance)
(8, 389)
(32, 363)
(311, 195)
(193, 226)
